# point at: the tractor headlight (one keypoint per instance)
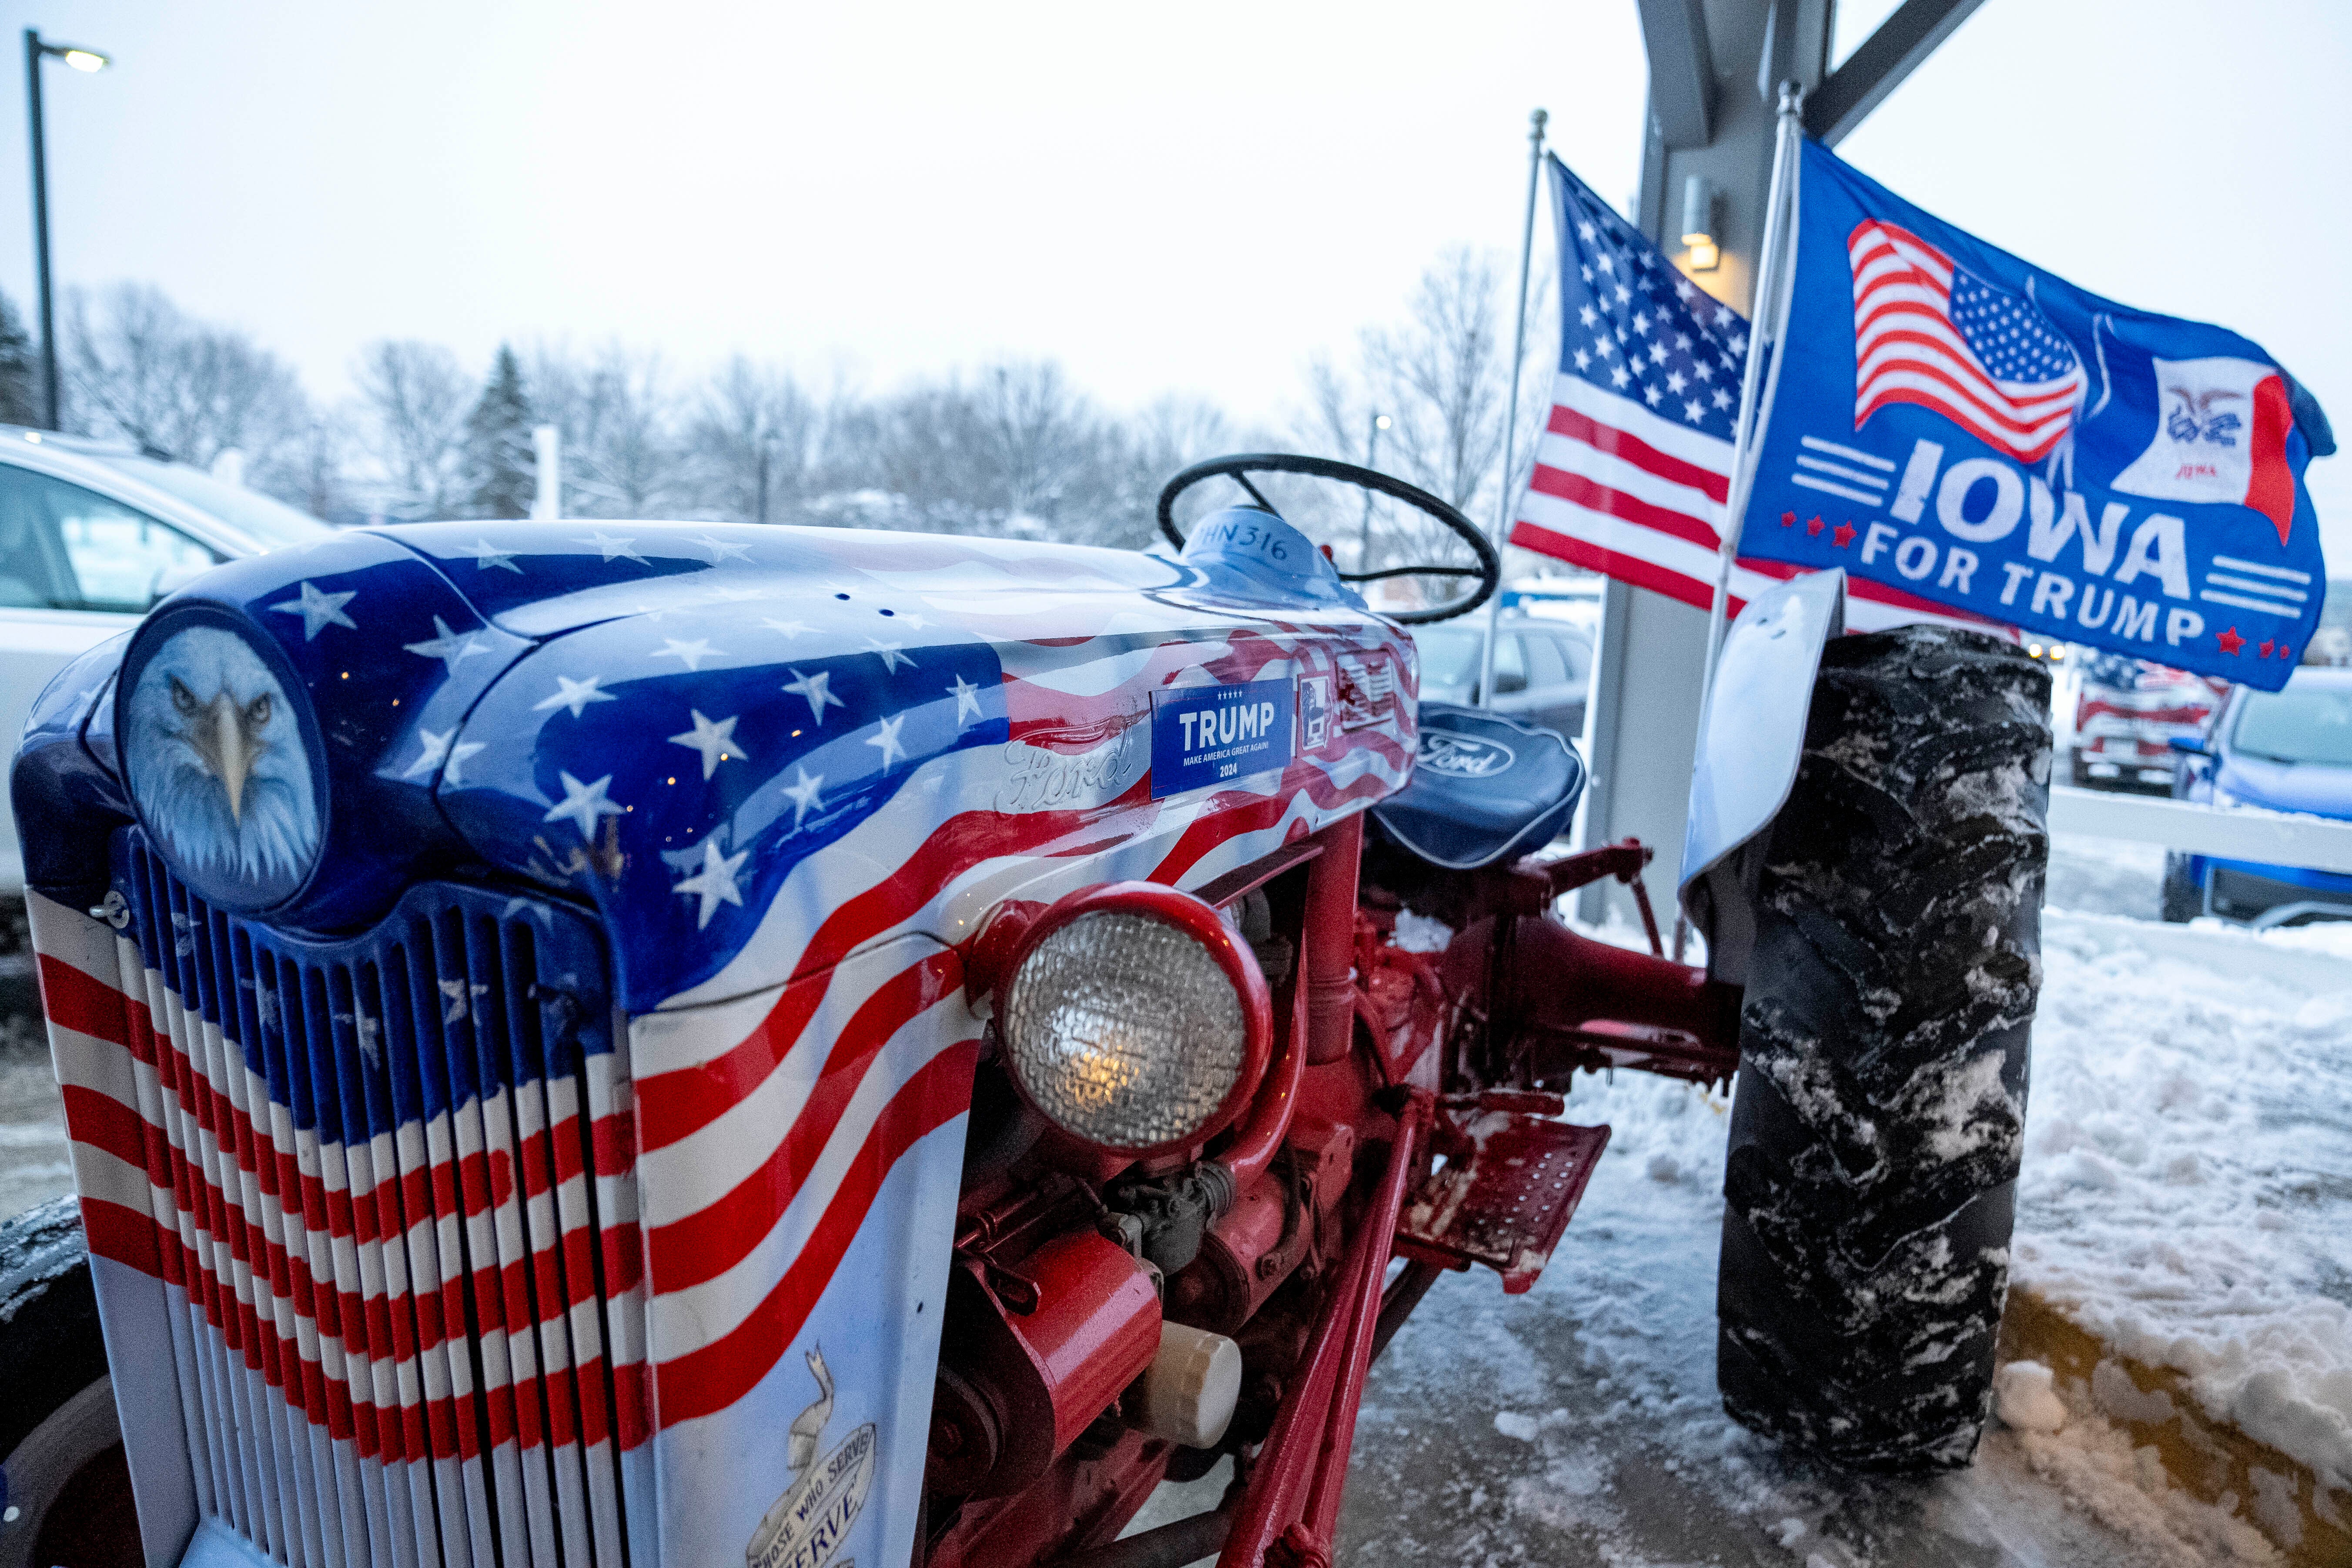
(1134, 1018)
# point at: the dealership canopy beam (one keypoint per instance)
(1878, 67)
(1681, 75)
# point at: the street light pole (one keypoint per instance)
(81, 61)
(1372, 460)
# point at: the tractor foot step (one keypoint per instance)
(1503, 1195)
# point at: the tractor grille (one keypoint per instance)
(407, 1309)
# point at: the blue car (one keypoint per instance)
(2277, 751)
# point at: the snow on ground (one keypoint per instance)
(1581, 1423)
(2187, 1193)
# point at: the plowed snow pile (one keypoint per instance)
(2187, 1193)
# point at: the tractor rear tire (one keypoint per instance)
(1870, 1183)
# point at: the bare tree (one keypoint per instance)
(1155, 444)
(1014, 447)
(1447, 372)
(20, 373)
(138, 369)
(414, 398)
(1443, 378)
(753, 443)
(621, 453)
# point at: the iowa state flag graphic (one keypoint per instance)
(1956, 424)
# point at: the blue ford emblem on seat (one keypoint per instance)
(1463, 756)
(1483, 787)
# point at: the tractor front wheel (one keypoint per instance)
(1881, 1101)
(67, 1488)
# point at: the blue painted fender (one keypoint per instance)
(1751, 738)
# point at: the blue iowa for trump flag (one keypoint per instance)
(1954, 422)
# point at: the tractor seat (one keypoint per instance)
(1482, 787)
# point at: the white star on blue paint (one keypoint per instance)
(817, 689)
(448, 647)
(885, 736)
(967, 696)
(891, 658)
(689, 654)
(715, 742)
(584, 803)
(803, 796)
(614, 548)
(715, 883)
(720, 550)
(789, 628)
(318, 611)
(572, 694)
(486, 556)
(436, 750)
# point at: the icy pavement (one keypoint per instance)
(33, 1165)
(1579, 1424)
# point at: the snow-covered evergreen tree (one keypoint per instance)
(498, 442)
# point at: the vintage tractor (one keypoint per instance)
(590, 1043)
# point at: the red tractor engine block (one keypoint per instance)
(1043, 1346)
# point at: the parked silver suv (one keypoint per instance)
(92, 534)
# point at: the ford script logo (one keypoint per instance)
(1463, 756)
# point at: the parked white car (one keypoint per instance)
(92, 534)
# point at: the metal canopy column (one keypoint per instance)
(1714, 67)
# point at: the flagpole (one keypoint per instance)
(1775, 261)
(1511, 405)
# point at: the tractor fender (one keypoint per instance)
(1751, 738)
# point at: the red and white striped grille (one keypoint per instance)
(385, 1184)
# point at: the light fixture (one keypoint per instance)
(84, 60)
(1134, 1019)
(1698, 224)
(1381, 423)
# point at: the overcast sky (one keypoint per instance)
(1186, 198)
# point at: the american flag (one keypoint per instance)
(1634, 469)
(1926, 332)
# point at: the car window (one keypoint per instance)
(1545, 667)
(270, 523)
(2311, 724)
(1511, 665)
(1449, 655)
(1578, 655)
(65, 548)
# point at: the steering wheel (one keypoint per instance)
(1239, 466)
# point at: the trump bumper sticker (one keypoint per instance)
(1204, 735)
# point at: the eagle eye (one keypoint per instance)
(256, 712)
(181, 698)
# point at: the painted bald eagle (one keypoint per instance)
(218, 763)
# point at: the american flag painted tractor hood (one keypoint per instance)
(518, 1101)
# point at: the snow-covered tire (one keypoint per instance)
(1881, 1102)
(69, 1490)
